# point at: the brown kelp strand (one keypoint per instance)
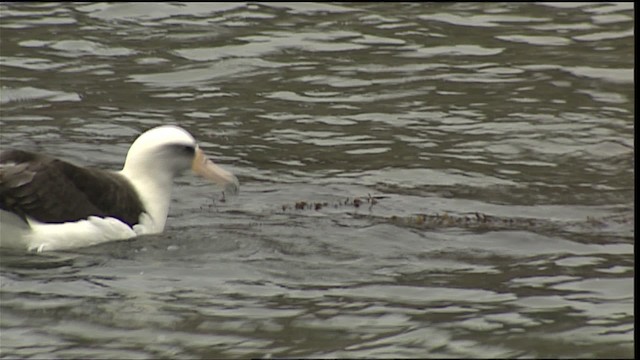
(471, 220)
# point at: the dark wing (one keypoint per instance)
(54, 191)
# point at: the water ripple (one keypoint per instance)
(410, 188)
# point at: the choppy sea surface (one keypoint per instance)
(417, 180)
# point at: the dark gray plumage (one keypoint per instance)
(50, 190)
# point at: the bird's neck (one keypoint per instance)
(154, 189)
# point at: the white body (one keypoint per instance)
(37, 236)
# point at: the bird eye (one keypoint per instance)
(183, 149)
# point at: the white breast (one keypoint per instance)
(39, 236)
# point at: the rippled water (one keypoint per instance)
(418, 180)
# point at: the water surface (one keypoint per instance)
(417, 180)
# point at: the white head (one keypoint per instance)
(169, 148)
(157, 156)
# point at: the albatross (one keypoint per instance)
(50, 204)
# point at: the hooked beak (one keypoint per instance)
(204, 167)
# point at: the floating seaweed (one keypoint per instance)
(355, 202)
(474, 220)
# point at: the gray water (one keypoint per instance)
(417, 180)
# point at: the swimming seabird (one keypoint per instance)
(51, 204)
